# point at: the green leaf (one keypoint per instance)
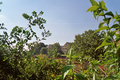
(116, 13)
(65, 70)
(101, 14)
(3, 28)
(20, 30)
(25, 16)
(115, 26)
(112, 77)
(103, 5)
(109, 13)
(104, 44)
(0, 2)
(102, 28)
(5, 33)
(95, 14)
(101, 24)
(23, 31)
(33, 24)
(111, 33)
(111, 65)
(117, 18)
(34, 13)
(93, 8)
(42, 34)
(94, 76)
(41, 13)
(35, 21)
(93, 2)
(80, 77)
(31, 17)
(58, 77)
(107, 20)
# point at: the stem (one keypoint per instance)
(110, 30)
(115, 44)
(118, 51)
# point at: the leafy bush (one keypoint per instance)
(18, 64)
(40, 67)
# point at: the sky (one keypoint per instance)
(65, 18)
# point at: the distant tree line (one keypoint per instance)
(41, 48)
(84, 45)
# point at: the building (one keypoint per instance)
(64, 48)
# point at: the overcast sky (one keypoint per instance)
(65, 18)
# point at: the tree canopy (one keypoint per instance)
(37, 47)
(87, 42)
(43, 50)
(55, 48)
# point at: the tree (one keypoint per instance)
(87, 42)
(12, 58)
(43, 50)
(54, 49)
(37, 47)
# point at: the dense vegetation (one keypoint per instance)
(98, 51)
(36, 47)
(86, 43)
(16, 63)
(55, 49)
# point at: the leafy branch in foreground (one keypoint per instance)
(111, 38)
(111, 43)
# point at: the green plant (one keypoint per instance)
(35, 47)
(40, 67)
(111, 44)
(43, 50)
(68, 71)
(12, 49)
(110, 40)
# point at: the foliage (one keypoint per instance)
(111, 58)
(111, 43)
(43, 50)
(68, 72)
(55, 49)
(40, 67)
(87, 42)
(36, 47)
(18, 64)
(69, 47)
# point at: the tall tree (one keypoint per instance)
(87, 42)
